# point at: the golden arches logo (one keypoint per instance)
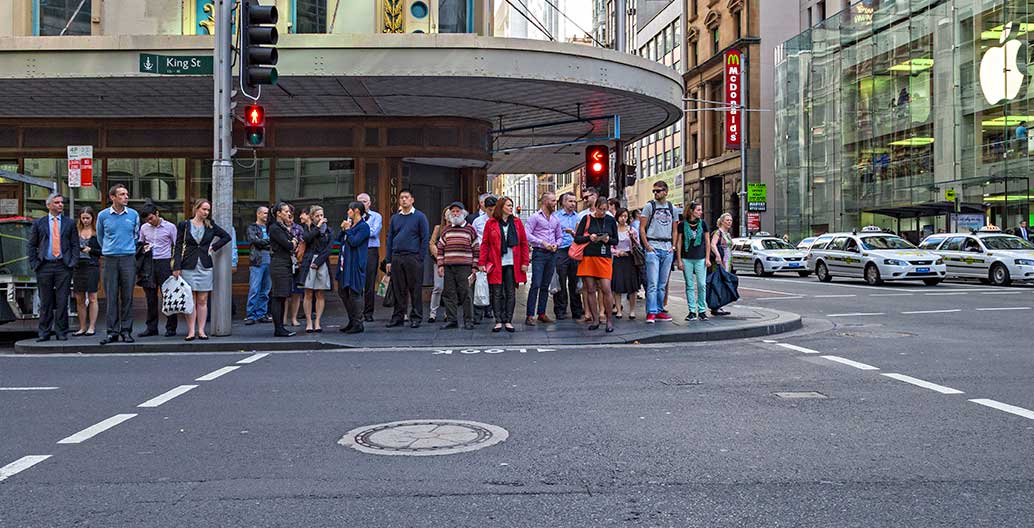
(732, 58)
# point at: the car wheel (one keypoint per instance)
(872, 275)
(804, 273)
(759, 269)
(822, 272)
(931, 282)
(1000, 275)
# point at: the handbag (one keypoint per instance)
(638, 255)
(577, 251)
(177, 297)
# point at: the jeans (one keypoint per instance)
(162, 271)
(119, 281)
(457, 293)
(543, 265)
(567, 272)
(658, 267)
(54, 281)
(259, 284)
(695, 269)
(504, 297)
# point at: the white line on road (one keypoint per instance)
(1012, 409)
(953, 310)
(835, 296)
(769, 341)
(1002, 293)
(946, 293)
(216, 373)
(28, 388)
(1003, 309)
(891, 295)
(20, 465)
(856, 314)
(95, 429)
(924, 384)
(779, 298)
(798, 348)
(768, 291)
(158, 400)
(252, 358)
(850, 363)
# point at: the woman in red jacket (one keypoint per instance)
(504, 256)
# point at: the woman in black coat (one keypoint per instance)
(281, 266)
(192, 261)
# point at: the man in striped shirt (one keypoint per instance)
(457, 262)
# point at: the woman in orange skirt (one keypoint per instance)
(600, 231)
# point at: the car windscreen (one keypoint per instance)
(931, 243)
(885, 242)
(775, 244)
(1006, 242)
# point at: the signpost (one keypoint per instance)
(753, 222)
(80, 166)
(949, 195)
(176, 64)
(757, 197)
(733, 99)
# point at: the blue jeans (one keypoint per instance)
(259, 284)
(543, 265)
(694, 271)
(658, 267)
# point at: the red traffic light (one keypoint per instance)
(597, 167)
(255, 115)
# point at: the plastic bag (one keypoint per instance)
(481, 297)
(554, 284)
(177, 297)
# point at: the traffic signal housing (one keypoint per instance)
(258, 41)
(255, 125)
(597, 168)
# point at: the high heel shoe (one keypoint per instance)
(594, 326)
(497, 328)
(610, 326)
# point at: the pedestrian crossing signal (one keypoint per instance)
(255, 125)
(597, 167)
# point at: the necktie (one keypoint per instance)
(55, 239)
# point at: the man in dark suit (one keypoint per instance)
(1023, 231)
(53, 253)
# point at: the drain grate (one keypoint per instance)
(423, 437)
(800, 395)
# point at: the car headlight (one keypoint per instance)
(940, 262)
(773, 259)
(895, 262)
(1024, 262)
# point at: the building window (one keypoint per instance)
(693, 55)
(51, 17)
(310, 16)
(715, 41)
(692, 9)
(821, 10)
(454, 16)
(737, 19)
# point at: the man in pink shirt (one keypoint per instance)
(544, 236)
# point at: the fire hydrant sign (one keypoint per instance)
(80, 166)
(733, 99)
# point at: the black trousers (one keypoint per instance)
(162, 271)
(504, 297)
(119, 281)
(456, 292)
(353, 301)
(276, 311)
(407, 282)
(567, 273)
(373, 260)
(54, 281)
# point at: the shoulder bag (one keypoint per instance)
(577, 251)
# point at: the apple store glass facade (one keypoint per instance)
(907, 114)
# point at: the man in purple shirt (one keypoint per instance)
(544, 236)
(158, 235)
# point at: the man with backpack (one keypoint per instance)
(657, 231)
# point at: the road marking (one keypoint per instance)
(28, 388)
(779, 298)
(924, 384)
(252, 358)
(835, 296)
(850, 363)
(797, 348)
(20, 465)
(1012, 409)
(95, 429)
(769, 341)
(891, 295)
(768, 291)
(1002, 293)
(158, 400)
(856, 314)
(947, 293)
(1003, 309)
(953, 310)
(216, 373)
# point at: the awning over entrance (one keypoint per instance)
(510, 83)
(927, 209)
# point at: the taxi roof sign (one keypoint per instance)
(872, 229)
(990, 229)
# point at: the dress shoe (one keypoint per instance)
(148, 333)
(450, 325)
(43, 338)
(529, 321)
(170, 333)
(110, 338)
(284, 334)
(468, 325)
(393, 323)
(561, 317)
(415, 323)
(266, 319)
(249, 321)
(128, 338)
(368, 318)
(543, 318)
(431, 319)
(61, 337)
(357, 329)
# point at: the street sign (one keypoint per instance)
(949, 195)
(733, 99)
(176, 64)
(757, 197)
(80, 166)
(753, 222)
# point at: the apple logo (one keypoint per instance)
(1000, 78)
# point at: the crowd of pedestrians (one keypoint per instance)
(595, 263)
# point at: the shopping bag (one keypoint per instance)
(481, 297)
(177, 297)
(382, 287)
(554, 284)
(722, 288)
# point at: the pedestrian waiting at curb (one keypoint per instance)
(438, 281)
(314, 269)
(694, 257)
(408, 235)
(599, 230)
(657, 231)
(352, 266)
(53, 252)
(282, 262)
(487, 203)
(159, 237)
(117, 229)
(457, 258)
(504, 257)
(375, 222)
(87, 276)
(544, 234)
(196, 243)
(566, 267)
(721, 240)
(298, 228)
(626, 272)
(259, 281)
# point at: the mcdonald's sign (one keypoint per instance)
(733, 99)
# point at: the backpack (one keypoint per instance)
(671, 209)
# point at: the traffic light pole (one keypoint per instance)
(222, 167)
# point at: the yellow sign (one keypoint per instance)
(949, 195)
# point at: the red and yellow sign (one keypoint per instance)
(733, 99)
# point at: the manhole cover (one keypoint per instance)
(797, 395)
(423, 437)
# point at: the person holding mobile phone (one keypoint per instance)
(600, 230)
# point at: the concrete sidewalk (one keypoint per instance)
(742, 323)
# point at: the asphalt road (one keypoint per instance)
(682, 435)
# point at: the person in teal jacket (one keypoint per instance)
(351, 273)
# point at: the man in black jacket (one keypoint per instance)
(259, 281)
(53, 253)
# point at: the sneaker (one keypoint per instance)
(703, 316)
(691, 316)
(650, 318)
(663, 317)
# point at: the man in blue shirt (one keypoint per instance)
(567, 269)
(374, 221)
(408, 236)
(53, 252)
(118, 227)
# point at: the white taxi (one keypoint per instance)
(767, 255)
(876, 257)
(818, 242)
(988, 254)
